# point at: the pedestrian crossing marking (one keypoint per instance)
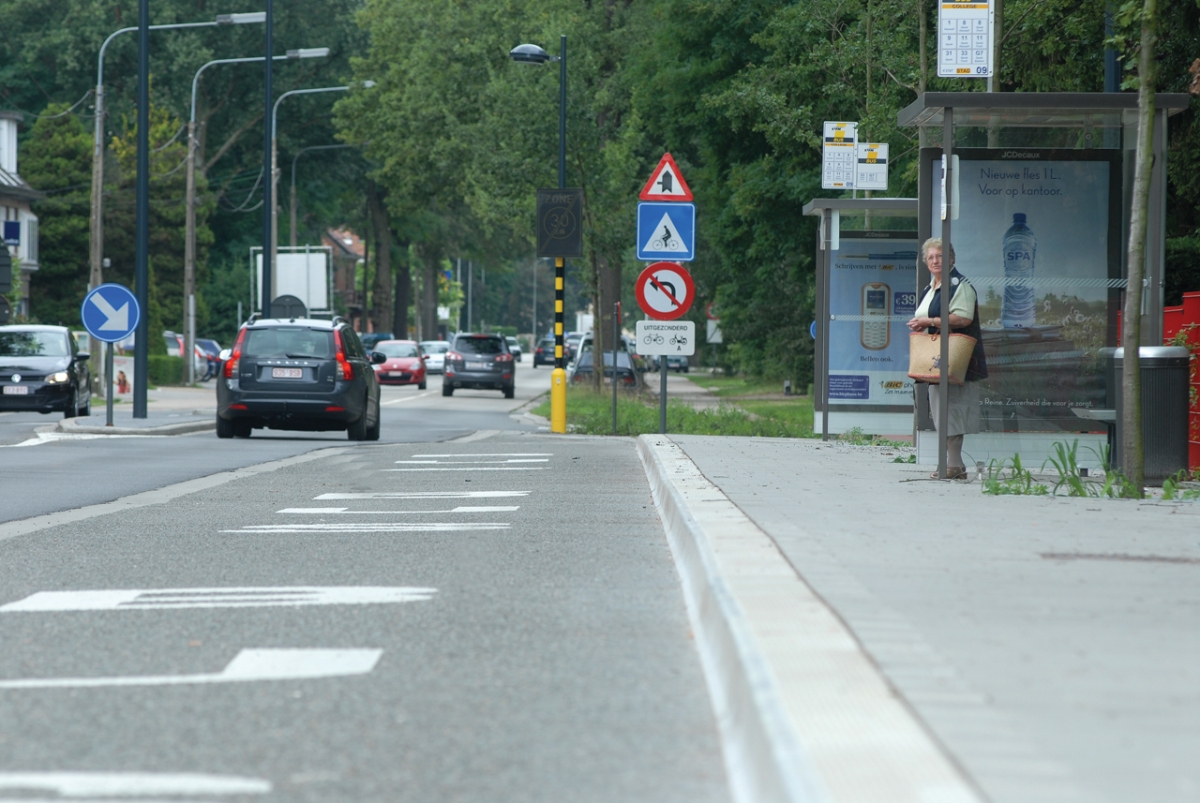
(423, 495)
(129, 599)
(498, 454)
(472, 462)
(369, 527)
(333, 511)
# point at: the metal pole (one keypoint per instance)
(96, 223)
(268, 234)
(562, 113)
(823, 305)
(108, 372)
(616, 334)
(189, 252)
(273, 199)
(662, 394)
(141, 361)
(558, 379)
(947, 260)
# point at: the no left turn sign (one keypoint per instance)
(665, 291)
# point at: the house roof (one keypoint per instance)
(13, 186)
(345, 243)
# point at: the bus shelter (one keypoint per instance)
(865, 292)
(1038, 217)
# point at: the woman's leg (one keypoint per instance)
(954, 445)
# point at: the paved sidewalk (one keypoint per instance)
(1050, 646)
(169, 411)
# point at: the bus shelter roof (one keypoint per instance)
(1035, 109)
(882, 207)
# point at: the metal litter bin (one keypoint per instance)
(1165, 377)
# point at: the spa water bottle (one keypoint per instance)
(1020, 248)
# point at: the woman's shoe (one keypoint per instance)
(952, 473)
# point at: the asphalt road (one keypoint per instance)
(40, 476)
(492, 619)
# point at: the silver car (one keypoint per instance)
(435, 355)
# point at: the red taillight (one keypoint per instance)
(504, 358)
(238, 407)
(344, 369)
(231, 365)
(454, 355)
(333, 408)
(538, 350)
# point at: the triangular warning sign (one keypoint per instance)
(665, 238)
(666, 183)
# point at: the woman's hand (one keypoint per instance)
(920, 324)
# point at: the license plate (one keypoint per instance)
(16, 390)
(395, 373)
(478, 366)
(286, 373)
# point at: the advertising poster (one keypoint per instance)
(873, 276)
(1035, 234)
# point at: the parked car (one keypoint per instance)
(585, 365)
(435, 355)
(479, 361)
(514, 347)
(42, 370)
(212, 350)
(174, 342)
(677, 363)
(370, 339)
(299, 374)
(405, 363)
(571, 345)
(544, 353)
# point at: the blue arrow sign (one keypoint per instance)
(666, 231)
(110, 313)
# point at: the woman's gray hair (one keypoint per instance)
(935, 242)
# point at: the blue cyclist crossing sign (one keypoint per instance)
(110, 313)
(666, 231)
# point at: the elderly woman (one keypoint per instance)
(963, 316)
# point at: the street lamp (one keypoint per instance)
(96, 251)
(533, 54)
(189, 248)
(273, 194)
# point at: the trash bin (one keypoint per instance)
(1165, 377)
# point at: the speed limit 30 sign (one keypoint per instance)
(665, 291)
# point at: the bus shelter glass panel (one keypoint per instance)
(1037, 233)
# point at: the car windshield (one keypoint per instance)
(479, 345)
(586, 359)
(290, 342)
(435, 346)
(398, 349)
(33, 344)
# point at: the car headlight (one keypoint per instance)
(58, 378)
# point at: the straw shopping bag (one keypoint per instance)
(925, 356)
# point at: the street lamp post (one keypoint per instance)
(189, 248)
(273, 194)
(532, 54)
(96, 250)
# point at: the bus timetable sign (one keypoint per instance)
(560, 223)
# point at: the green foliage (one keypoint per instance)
(1173, 491)
(165, 370)
(1008, 477)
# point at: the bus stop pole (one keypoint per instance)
(947, 262)
(823, 306)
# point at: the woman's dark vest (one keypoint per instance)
(977, 368)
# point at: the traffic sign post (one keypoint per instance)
(110, 313)
(966, 30)
(666, 183)
(665, 339)
(839, 156)
(872, 170)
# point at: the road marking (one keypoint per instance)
(370, 527)
(403, 400)
(12, 529)
(333, 511)
(133, 784)
(473, 468)
(52, 437)
(473, 462)
(248, 665)
(129, 599)
(498, 454)
(425, 495)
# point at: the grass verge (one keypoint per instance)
(590, 413)
(735, 385)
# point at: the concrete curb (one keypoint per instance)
(804, 714)
(71, 425)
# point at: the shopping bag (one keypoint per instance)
(925, 356)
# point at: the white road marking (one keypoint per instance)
(75, 785)
(426, 495)
(403, 400)
(473, 462)
(473, 468)
(335, 511)
(369, 527)
(51, 437)
(248, 665)
(498, 454)
(130, 599)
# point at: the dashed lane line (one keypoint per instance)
(424, 495)
(138, 599)
(370, 527)
(342, 510)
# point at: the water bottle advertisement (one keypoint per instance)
(1035, 233)
(872, 293)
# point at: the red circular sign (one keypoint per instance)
(710, 311)
(665, 290)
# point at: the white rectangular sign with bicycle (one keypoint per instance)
(664, 338)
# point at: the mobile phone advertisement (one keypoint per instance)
(872, 295)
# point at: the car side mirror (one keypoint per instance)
(225, 354)
(378, 358)
(83, 356)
